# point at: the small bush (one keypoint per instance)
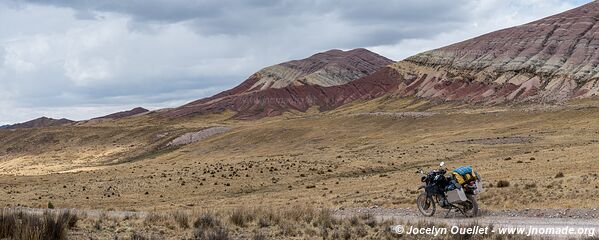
(73, 221)
(503, 183)
(8, 223)
(354, 221)
(300, 214)
(559, 175)
(208, 227)
(264, 222)
(206, 220)
(56, 226)
(288, 229)
(50, 205)
(98, 224)
(218, 233)
(371, 222)
(21, 225)
(241, 217)
(153, 218)
(361, 231)
(268, 218)
(259, 236)
(137, 236)
(182, 219)
(325, 219)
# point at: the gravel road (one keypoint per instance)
(586, 220)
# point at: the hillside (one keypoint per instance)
(550, 60)
(294, 85)
(124, 114)
(40, 123)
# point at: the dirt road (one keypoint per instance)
(548, 223)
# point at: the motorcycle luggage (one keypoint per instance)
(463, 170)
(456, 196)
(464, 175)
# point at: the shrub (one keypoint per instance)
(8, 223)
(153, 218)
(72, 223)
(559, 175)
(137, 236)
(268, 218)
(56, 226)
(22, 225)
(503, 183)
(259, 236)
(354, 220)
(300, 213)
(217, 233)
(182, 219)
(241, 217)
(288, 229)
(361, 231)
(208, 227)
(206, 220)
(50, 205)
(325, 219)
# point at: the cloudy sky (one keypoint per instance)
(83, 58)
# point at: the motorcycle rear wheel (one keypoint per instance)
(426, 205)
(472, 211)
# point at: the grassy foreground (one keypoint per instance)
(240, 223)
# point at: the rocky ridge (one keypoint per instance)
(549, 60)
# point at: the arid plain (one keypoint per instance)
(361, 155)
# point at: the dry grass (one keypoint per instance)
(182, 218)
(330, 160)
(49, 225)
(309, 223)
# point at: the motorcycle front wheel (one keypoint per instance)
(426, 205)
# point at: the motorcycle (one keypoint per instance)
(436, 186)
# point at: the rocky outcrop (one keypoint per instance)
(40, 123)
(124, 114)
(331, 68)
(297, 85)
(550, 60)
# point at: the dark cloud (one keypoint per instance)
(391, 19)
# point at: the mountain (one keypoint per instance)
(550, 60)
(331, 68)
(124, 114)
(40, 123)
(4, 126)
(294, 85)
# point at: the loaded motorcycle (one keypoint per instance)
(447, 193)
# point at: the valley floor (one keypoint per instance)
(359, 156)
